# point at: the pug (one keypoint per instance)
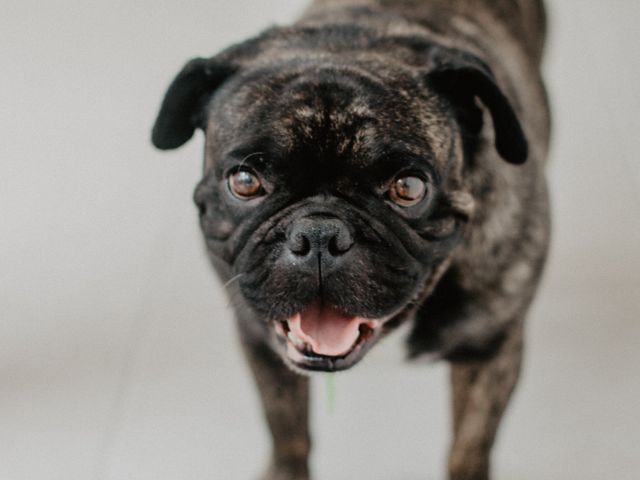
(377, 162)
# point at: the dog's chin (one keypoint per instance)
(323, 338)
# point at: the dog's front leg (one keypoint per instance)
(481, 392)
(285, 400)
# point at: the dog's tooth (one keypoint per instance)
(295, 340)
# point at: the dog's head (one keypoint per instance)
(333, 183)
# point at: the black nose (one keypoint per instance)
(319, 238)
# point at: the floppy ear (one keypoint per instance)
(181, 110)
(462, 78)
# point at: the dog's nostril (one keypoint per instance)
(299, 244)
(339, 244)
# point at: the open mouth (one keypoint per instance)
(324, 338)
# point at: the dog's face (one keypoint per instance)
(333, 189)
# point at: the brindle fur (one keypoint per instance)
(480, 274)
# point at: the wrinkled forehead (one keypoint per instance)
(341, 113)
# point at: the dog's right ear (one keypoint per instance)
(181, 110)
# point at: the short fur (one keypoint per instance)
(329, 111)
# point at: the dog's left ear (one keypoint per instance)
(181, 110)
(462, 77)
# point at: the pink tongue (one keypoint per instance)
(327, 330)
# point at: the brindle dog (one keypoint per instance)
(379, 161)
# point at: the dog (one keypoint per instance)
(377, 162)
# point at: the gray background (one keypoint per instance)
(118, 357)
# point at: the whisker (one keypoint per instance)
(233, 279)
(248, 157)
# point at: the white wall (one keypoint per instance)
(117, 352)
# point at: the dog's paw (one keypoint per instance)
(290, 471)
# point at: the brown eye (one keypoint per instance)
(407, 191)
(244, 184)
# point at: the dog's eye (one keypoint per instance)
(407, 191)
(244, 184)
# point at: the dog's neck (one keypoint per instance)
(523, 21)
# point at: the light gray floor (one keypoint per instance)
(118, 357)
